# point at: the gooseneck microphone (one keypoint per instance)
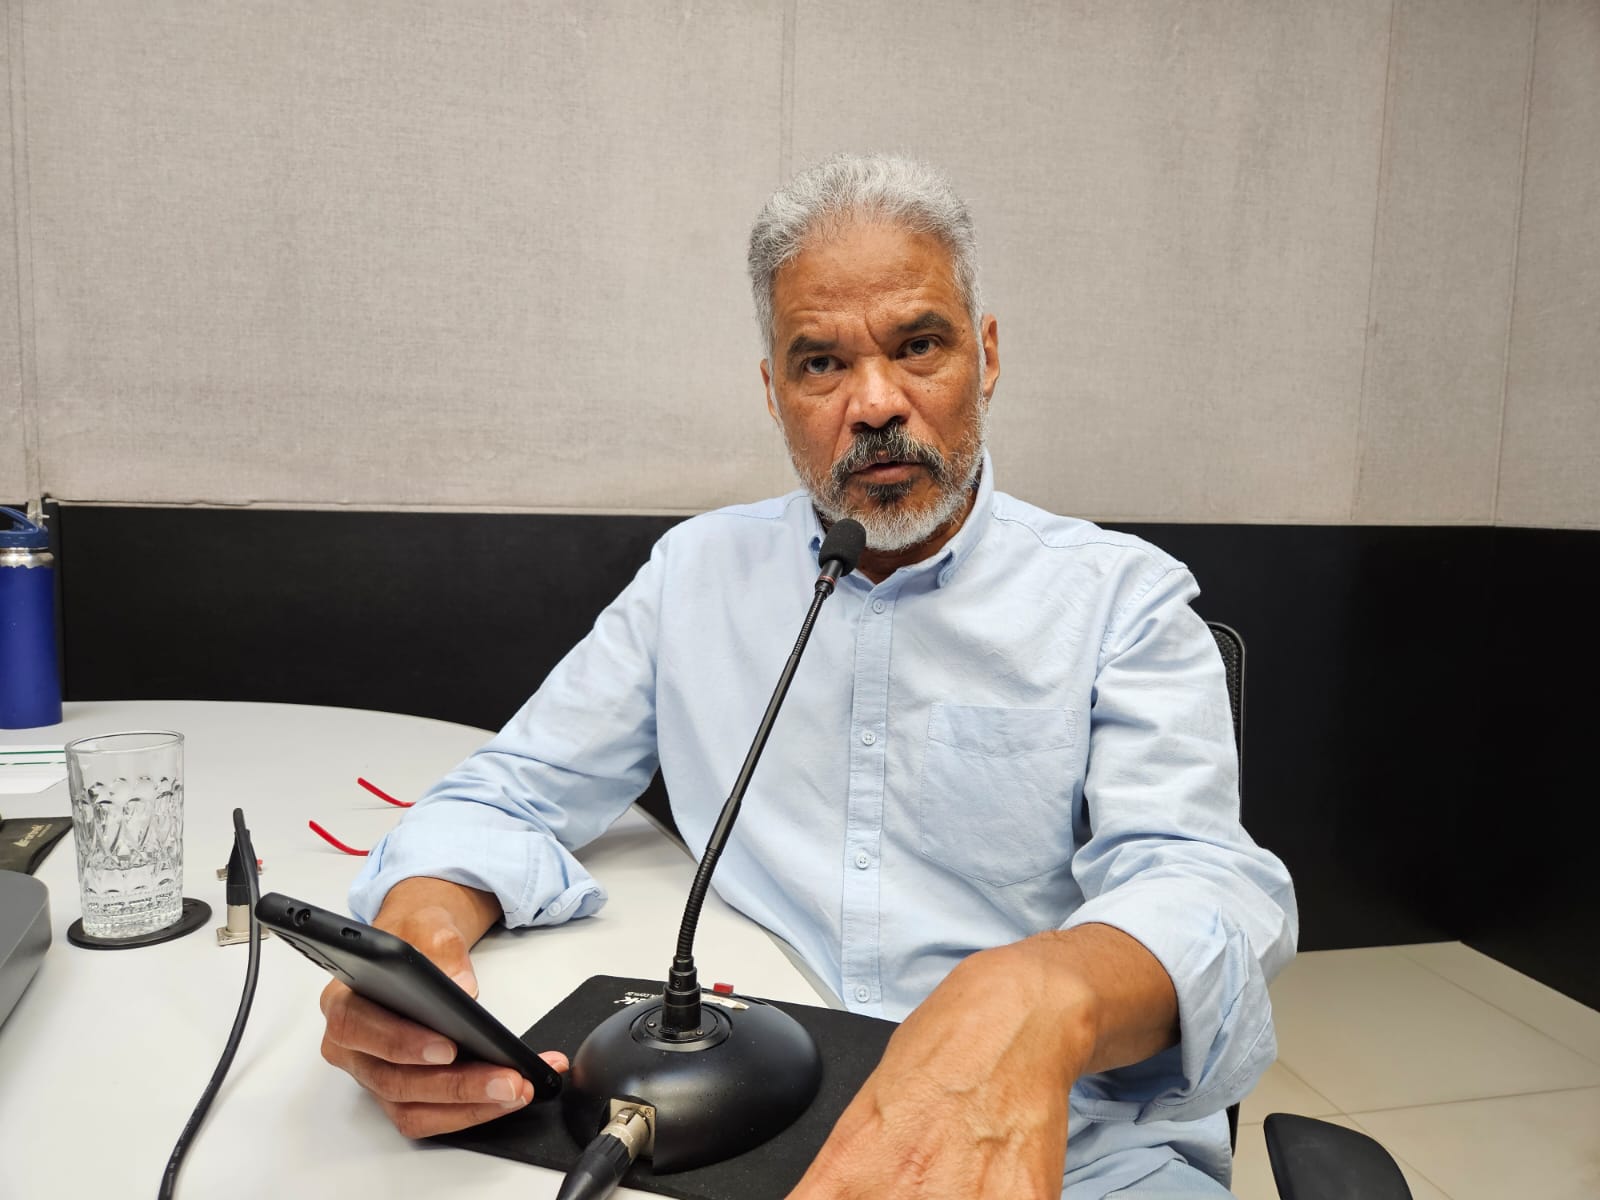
(718, 1074)
(840, 551)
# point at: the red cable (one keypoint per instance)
(383, 795)
(333, 841)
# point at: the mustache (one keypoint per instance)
(890, 444)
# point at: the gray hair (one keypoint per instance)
(847, 187)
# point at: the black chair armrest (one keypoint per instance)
(1314, 1160)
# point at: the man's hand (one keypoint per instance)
(970, 1100)
(409, 1068)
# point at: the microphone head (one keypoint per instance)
(843, 545)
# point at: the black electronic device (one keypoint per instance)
(390, 971)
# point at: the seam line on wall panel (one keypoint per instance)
(564, 510)
(27, 370)
(1390, 68)
(786, 92)
(1516, 262)
(317, 506)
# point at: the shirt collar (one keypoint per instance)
(954, 552)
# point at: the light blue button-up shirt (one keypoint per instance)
(1027, 731)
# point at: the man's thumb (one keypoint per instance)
(448, 949)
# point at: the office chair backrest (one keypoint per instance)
(1231, 647)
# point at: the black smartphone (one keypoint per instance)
(392, 972)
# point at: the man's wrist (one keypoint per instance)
(1111, 991)
(473, 910)
(1061, 1008)
(1096, 998)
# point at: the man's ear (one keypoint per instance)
(990, 333)
(771, 392)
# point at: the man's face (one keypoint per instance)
(875, 382)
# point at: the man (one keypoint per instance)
(1006, 810)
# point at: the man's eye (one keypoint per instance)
(918, 347)
(818, 364)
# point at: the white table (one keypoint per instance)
(106, 1053)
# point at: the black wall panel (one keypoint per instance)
(1534, 886)
(440, 615)
(1391, 673)
(1365, 656)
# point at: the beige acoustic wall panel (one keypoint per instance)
(14, 482)
(1550, 466)
(1443, 267)
(482, 254)
(1175, 207)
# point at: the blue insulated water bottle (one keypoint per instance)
(30, 687)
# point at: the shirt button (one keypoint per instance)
(863, 993)
(868, 737)
(863, 859)
(878, 606)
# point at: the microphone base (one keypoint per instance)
(747, 1078)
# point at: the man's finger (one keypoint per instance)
(471, 1084)
(556, 1059)
(427, 1120)
(356, 1023)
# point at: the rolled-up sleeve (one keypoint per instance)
(1167, 861)
(564, 768)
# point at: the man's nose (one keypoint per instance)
(876, 397)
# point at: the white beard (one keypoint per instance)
(893, 525)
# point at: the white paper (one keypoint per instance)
(26, 770)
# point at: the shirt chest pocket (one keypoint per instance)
(995, 798)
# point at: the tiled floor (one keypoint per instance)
(1482, 1083)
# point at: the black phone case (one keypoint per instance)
(392, 972)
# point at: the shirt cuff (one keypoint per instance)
(536, 880)
(1225, 1034)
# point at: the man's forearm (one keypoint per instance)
(971, 1096)
(1115, 1002)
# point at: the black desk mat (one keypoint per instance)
(25, 841)
(851, 1046)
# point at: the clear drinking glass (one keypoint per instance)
(127, 821)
